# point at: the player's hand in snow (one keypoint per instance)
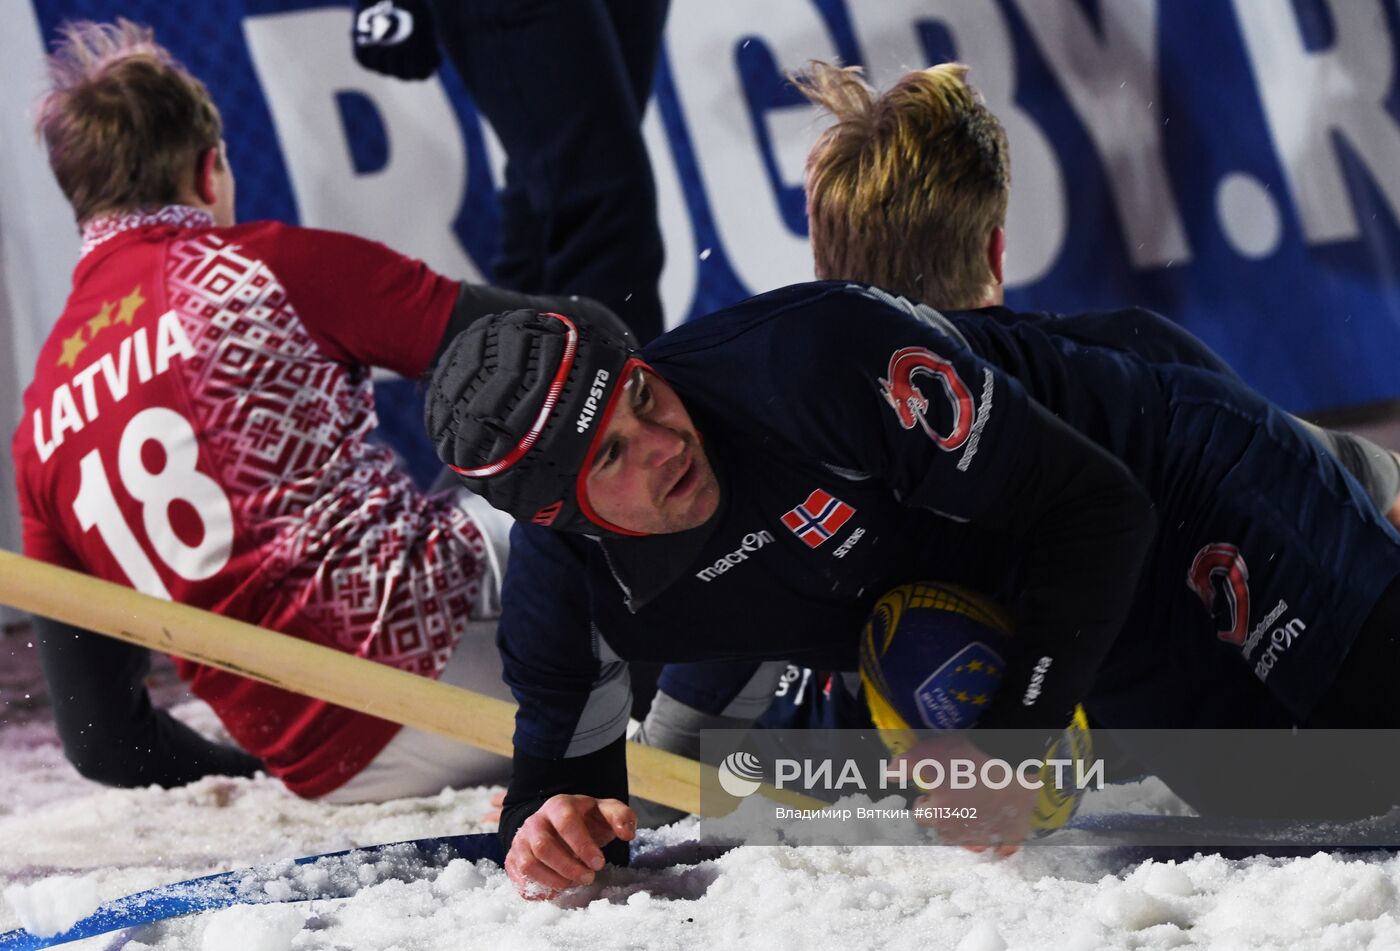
(979, 818)
(561, 845)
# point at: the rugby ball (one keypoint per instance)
(932, 656)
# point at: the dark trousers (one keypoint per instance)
(564, 83)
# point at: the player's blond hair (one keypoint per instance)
(123, 122)
(904, 190)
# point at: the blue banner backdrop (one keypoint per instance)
(1235, 165)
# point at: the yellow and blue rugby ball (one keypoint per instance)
(931, 658)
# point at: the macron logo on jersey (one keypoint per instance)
(818, 518)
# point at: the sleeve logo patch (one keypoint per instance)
(901, 390)
(1220, 579)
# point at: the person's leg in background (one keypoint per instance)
(560, 82)
(519, 263)
(638, 26)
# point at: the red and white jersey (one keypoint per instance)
(198, 428)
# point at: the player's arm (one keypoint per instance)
(563, 819)
(949, 432)
(707, 695)
(691, 698)
(367, 305)
(110, 730)
(1085, 524)
(912, 406)
(565, 811)
(475, 301)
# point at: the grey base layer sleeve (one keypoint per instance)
(1376, 468)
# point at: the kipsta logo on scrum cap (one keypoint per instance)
(590, 402)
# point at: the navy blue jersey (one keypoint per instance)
(862, 442)
(1269, 556)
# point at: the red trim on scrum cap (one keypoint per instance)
(581, 483)
(551, 399)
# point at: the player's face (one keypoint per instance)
(650, 473)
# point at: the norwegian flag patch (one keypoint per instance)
(818, 518)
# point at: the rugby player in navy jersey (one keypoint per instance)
(828, 441)
(874, 219)
(937, 106)
(908, 189)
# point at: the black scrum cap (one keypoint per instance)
(514, 407)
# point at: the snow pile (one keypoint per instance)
(983, 937)
(683, 891)
(253, 928)
(1137, 906)
(53, 905)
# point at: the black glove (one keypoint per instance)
(395, 37)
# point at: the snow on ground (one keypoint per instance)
(775, 898)
(52, 905)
